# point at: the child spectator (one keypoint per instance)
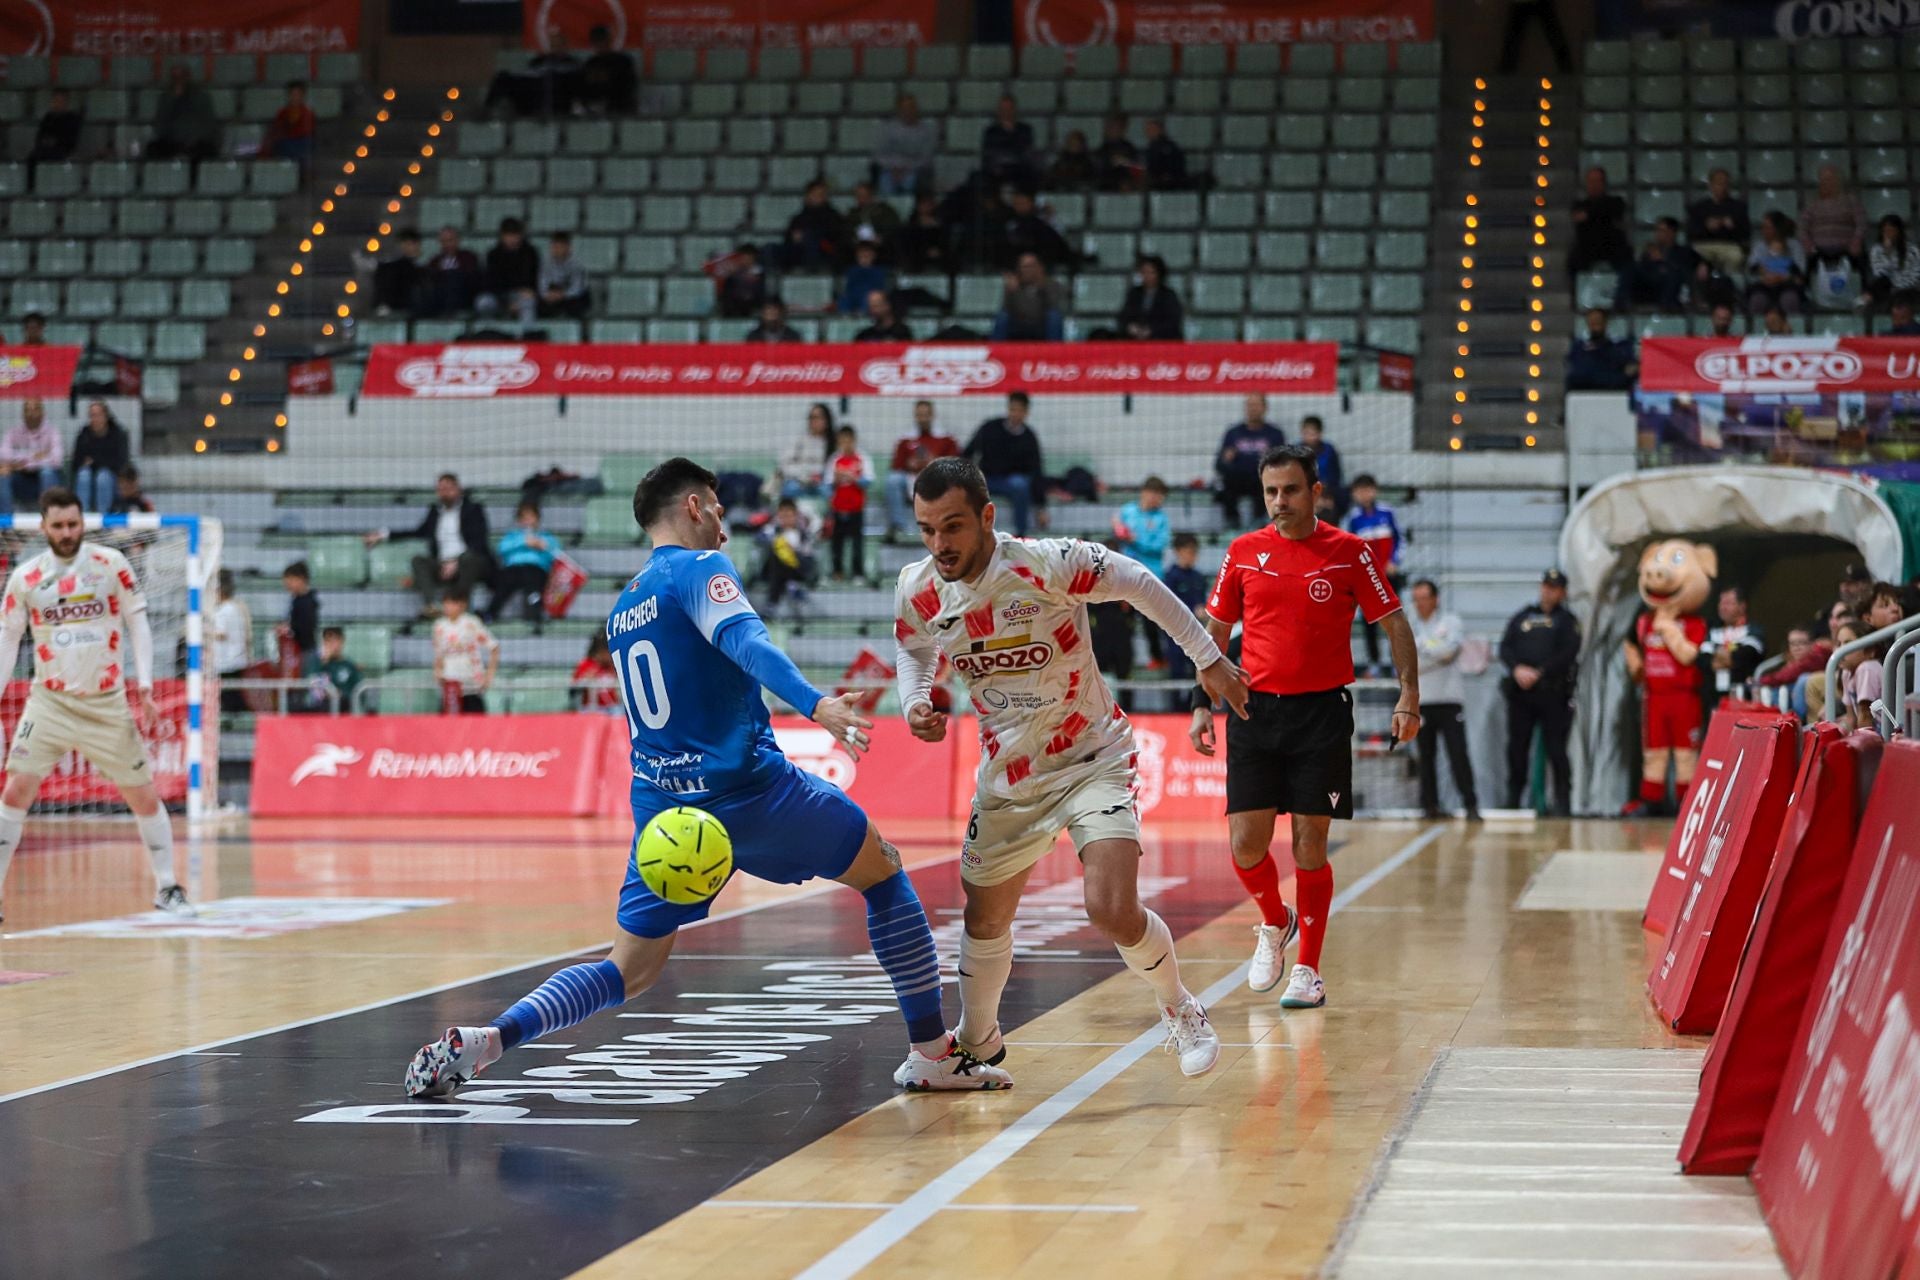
(563, 281)
(128, 496)
(1374, 521)
(1184, 579)
(1333, 490)
(849, 475)
(525, 556)
(336, 673)
(299, 635)
(290, 136)
(465, 655)
(595, 686)
(788, 565)
(865, 276)
(1142, 528)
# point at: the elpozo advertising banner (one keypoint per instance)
(107, 29)
(733, 24)
(1073, 24)
(485, 370)
(37, 372)
(1784, 366)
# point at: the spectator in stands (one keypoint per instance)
(184, 127)
(128, 496)
(1027, 232)
(801, 468)
(1151, 310)
(336, 677)
(904, 150)
(817, 235)
(1900, 313)
(1720, 321)
(1805, 655)
(564, 291)
(1776, 268)
(547, 86)
(399, 282)
(1184, 579)
(1833, 225)
(911, 454)
(525, 556)
(789, 564)
(1438, 637)
(458, 552)
(1313, 434)
(596, 685)
(453, 277)
(866, 276)
(740, 283)
(1006, 146)
(466, 657)
(1166, 160)
(850, 475)
(1855, 591)
(773, 326)
(1599, 362)
(886, 326)
(1032, 307)
(1774, 323)
(1008, 454)
(871, 218)
(1885, 606)
(1893, 264)
(1845, 633)
(290, 135)
(58, 135)
(513, 275)
(1142, 530)
(1600, 235)
(1718, 228)
(301, 631)
(1733, 649)
(232, 634)
(608, 82)
(1237, 463)
(1116, 161)
(33, 330)
(1073, 165)
(99, 452)
(1375, 522)
(921, 242)
(1111, 625)
(33, 456)
(1519, 14)
(1665, 268)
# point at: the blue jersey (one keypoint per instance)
(1380, 529)
(697, 722)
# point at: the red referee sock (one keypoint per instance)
(1263, 883)
(1316, 900)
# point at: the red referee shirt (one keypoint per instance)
(1296, 599)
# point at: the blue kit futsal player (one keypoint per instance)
(691, 657)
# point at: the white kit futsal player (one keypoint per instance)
(1056, 754)
(73, 600)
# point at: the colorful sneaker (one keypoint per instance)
(1269, 952)
(992, 1050)
(173, 901)
(953, 1070)
(449, 1062)
(1191, 1036)
(1304, 990)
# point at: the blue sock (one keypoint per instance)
(903, 944)
(569, 996)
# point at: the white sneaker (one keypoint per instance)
(992, 1050)
(955, 1069)
(1269, 952)
(449, 1062)
(1190, 1035)
(173, 901)
(1304, 990)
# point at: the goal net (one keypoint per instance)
(175, 559)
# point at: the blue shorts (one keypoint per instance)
(796, 828)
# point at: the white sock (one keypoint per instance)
(1153, 959)
(11, 821)
(985, 964)
(156, 832)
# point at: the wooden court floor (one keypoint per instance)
(1103, 1159)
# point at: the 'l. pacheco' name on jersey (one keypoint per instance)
(74, 610)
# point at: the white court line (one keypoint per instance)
(867, 1244)
(890, 1204)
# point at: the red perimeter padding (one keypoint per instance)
(1749, 1054)
(1839, 1168)
(1688, 840)
(1743, 798)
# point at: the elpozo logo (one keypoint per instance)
(1759, 366)
(17, 370)
(926, 371)
(468, 371)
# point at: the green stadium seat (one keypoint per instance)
(1410, 169)
(1334, 292)
(336, 68)
(249, 216)
(146, 299)
(1356, 132)
(57, 181)
(1818, 55)
(1239, 170)
(1340, 250)
(273, 178)
(664, 214)
(1173, 209)
(1232, 210)
(762, 98)
(1823, 91)
(1868, 54)
(1702, 163)
(1282, 250)
(1310, 60)
(1271, 329)
(16, 258)
(631, 174)
(1657, 57)
(1661, 168)
(875, 64)
(1659, 129)
(34, 295)
(685, 174)
(806, 138)
(1346, 208)
(462, 176)
(1874, 89)
(989, 62)
(337, 562)
(1219, 294)
(650, 255)
(1711, 55)
(1103, 62)
(86, 217)
(122, 338)
(219, 178)
(1288, 209)
(443, 211)
(29, 71)
(1713, 129)
(571, 176)
(609, 520)
(1393, 291)
(547, 214)
(748, 138)
(1176, 248)
(91, 300)
(1252, 95)
(1662, 326)
(609, 214)
(937, 62)
(1393, 333)
(696, 137)
(1880, 201)
(586, 137)
(1352, 169)
(1716, 92)
(688, 298)
(1417, 59)
(1767, 128)
(1360, 93)
(872, 98)
(1328, 328)
(1768, 168)
(1139, 97)
(205, 299)
(1605, 128)
(1765, 54)
(60, 258)
(1607, 58)
(1101, 294)
(1271, 293)
(1416, 95)
(111, 178)
(13, 180)
(713, 100)
(77, 71)
(631, 297)
(483, 139)
(1112, 248)
(1225, 250)
(1878, 128)
(1193, 94)
(1415, 130)
(258, 102)
(1118, 211)
(282, 67)
(1771, 91)
(1298, 94)
(1213, 328)
(673, 330)
(1245, 133)
(1364, 59)
(516, 176)
(642, 137)
(177, 342)
(676, 66)
(790, 174)
(1606, 93)
(130, 72)
(160, 386)
(31, 217)
(599, 255)
(722, 215)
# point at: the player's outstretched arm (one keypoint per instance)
(1124, 578)
(744, 638)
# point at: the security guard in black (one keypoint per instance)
(1540, 650)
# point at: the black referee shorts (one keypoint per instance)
(1293, 753)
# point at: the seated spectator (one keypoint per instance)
(799, 471)
(100, 451)
(1774, 324)
(549, 84)
(1116, 161)
(1886, 606)
(466, 657)
(184, 126)
(886, 326)
(58, 134)
(1893, 265)
(563, 281)
(911, 454)
(921, 242)
(1151, 310)
(1805, 655)
(33, 330)
(1720, 322)
(740, 282)
(975, 218)
(873, 216)
(33, 457)
(1237, 464)
(608, 82)
(453, 277)
(128, 496)
(1718, 228)
(773, 326)
(336, 677)
(595, 685)
(904, 150)
(457, 553)
(513, 275)
(1033, 305)
(1006, 146)
(1327, 464)
(1008, 454)
(866, 276)
(400, 283)
(1900, 312)
(1833, 225)
(1665, 268)
(1073, 166)
(1166, 160)
(1025, 231)
(525, 556)
(1597, 362)
(789, 559)
(817, 235)
(290, 136)
(1777, 268)
(1600, 235)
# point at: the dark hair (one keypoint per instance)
(1429, 584)
(1364, 478)
(1154, 483)
(1020, 397)
(298, 569)
(1899, 225)
(1668, 221)
(786, 504)
(34, 317)
(918, 403)
(597, 643)
(526, 506)
(561, 237)
(943, 474)
(333, 633)
(1284, 455)
(129, 473)
(845, 429)
(446, 475)
(1185, 541)
(774, 300)
(1155, 261)
(58, 496)
(666, 484)
(1737, 591)
(224, 581)
(1804, 628)
(301, 85)
(409, 233)
(512, 226)
(825, 409)
(457, 593)
(1314, 418)
(1881, 590)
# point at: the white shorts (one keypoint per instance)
(99, 728)
(1005, 838)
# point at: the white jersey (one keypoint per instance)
(1019, 637)
(73, 610)
(462, 645)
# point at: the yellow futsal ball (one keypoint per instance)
(684, 855)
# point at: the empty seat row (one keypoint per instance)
(101, 299)
(1868, 166)
(121, 258)
(1761, 53)
(132, 71)
(220, 178)
(1778, 91)
(257, 103)
(1649, 204)
(139, 216)
(1752, 128)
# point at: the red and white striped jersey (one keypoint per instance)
(73, 611)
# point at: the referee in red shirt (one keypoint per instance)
(1293, 586)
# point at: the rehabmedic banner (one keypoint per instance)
(109, 29)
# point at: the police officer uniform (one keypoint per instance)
(1550, 643)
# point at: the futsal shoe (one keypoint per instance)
(1304, 990)
(173, 901)
(449, 1062)
(992, 1050)
(1269, 952)
(953, 1070)
(1191, 1036)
